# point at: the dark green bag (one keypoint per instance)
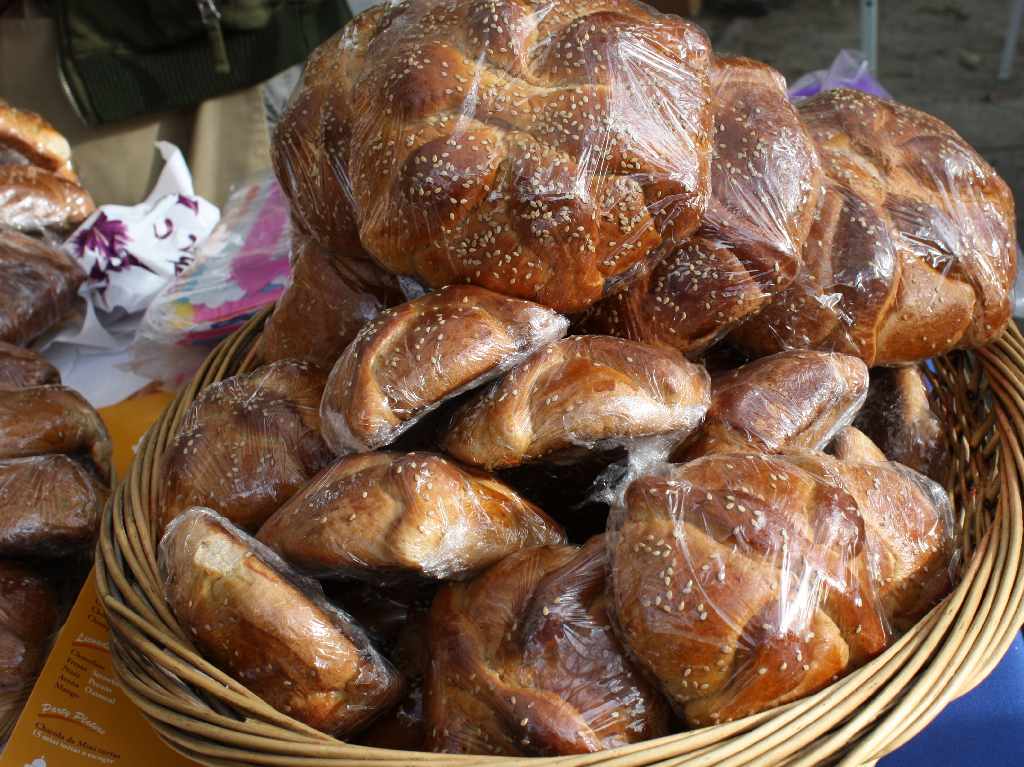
(121, 59)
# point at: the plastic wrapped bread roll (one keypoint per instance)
(796, 399)
(542, 150)
(765, 186)
(415, 356)
(38, 287)
(270, 629)
(50, 506)
(247, 444)
(28, 620)
(898, 417)
(331, 296)
(37, 201)
(381, 516)
(53, 419)
(21, 368)
(580, 392)
(28, 139)
(742, 582)
(524, 661)
(913, 251)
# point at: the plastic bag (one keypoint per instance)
(765, 183)
(913, 252)
(270, 629)
(504, 144)
(524, 662)
(797, 399)
(329, 299)
(387, 516)
(38, 287)
(579, 394)
(416, 356)
(246, 445)
(50, 506)
(53, 419)
(741, 582)
(21, 368)
(849, 69)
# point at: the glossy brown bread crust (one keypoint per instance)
(765, 184)
(38, 287)
(742, 582)
(285, 644)
(913, 252)
(505, 143)
(416, 355)
(247, 445)
(50, 506)
(578, 392)
(523, 660)
(35, 200)
(26, 138)
(28, 619)
(796, 399)
(379, 516)
(21, 368)
(331, 296)
(53, 419)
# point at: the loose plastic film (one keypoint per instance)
(270, 628)
(247, 445)
(387, 516)
(913, 249)
(416, 356)
(38, 287)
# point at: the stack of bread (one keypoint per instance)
(54, 449)
(566, 435)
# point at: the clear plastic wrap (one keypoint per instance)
(53, 419)
(36, 201)
(913, 251)
(795, 399)
(387, 516)
(50, 506)
(741, 582)
(582, 392)
(21, 368)
(523, 661)
(29, 618)
(269, 628)
(330, 297)
(508, 144)
(898, 417)
(28, 139)
(415, 356)
(38, 287)
(765, 183)
(247, 444)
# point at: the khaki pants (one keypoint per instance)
(225, 139)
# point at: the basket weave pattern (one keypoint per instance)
(208, 716)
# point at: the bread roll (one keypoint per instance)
(796, 399)
(381, 516)
(28, 139)
(765, 184)
(271, 630)
(898, 417)
(28, 621)
(524, 661)
(331, 296)
(741, 582)
(50, 506)
(247, 444)
(578, 393)
(913, 252)
(37, 201)
(417, 355)
(53, 419)
(22, 368)
(505, 144)
(38, 287)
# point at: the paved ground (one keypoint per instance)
(937, 55)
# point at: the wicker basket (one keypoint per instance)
(211, 718)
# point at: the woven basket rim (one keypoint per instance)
(195, 707)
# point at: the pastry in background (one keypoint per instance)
(28, 139)
(22, 368)
(35, 201)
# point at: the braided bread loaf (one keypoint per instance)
(21, 368)
(37, 201)
(505, 143)
(913, 250)
(765, 184)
